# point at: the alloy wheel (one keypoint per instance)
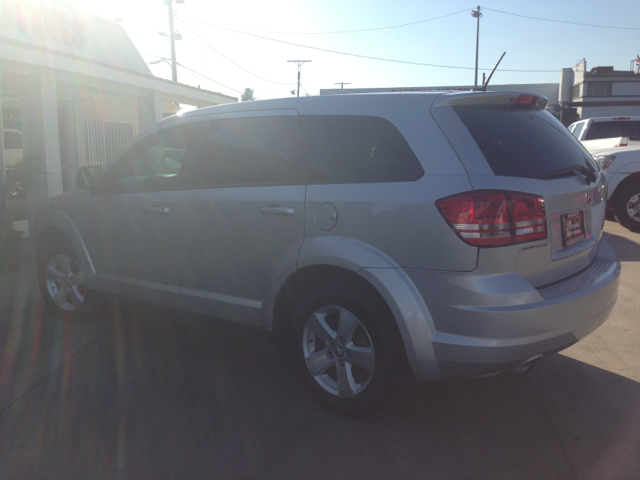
(338, 351)
(65, 282)
(633, 207)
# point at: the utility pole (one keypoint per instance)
(476, 14)
(342, 84)
(174, 68)
(299, 63)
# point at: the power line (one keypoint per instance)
(228, 59)
(562, 21)
(365, 29)
(210, 79)
(193, 71)
(365, 56)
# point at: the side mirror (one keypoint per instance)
(87, 177)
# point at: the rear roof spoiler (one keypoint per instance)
(508, 100)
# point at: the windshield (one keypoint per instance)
(529, 144)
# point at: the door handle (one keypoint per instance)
(277, 211)
(157, 210)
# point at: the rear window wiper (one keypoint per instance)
(568, 171)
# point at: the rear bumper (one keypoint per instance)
(486, 325)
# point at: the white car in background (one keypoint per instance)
(607, 127)
(621, 167)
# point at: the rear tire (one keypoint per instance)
(626, 206)
(344, 345)
(62, 282)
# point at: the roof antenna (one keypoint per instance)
(483, 88)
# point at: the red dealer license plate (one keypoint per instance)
(573, 228)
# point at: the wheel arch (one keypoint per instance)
(311, 278)
(57, 225)
(630, 178)
(388, 288)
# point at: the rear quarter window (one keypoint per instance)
(356, 149)
(529, 144)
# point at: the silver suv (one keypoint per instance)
(458, 233)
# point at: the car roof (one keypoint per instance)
(327, 103)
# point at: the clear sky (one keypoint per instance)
(236, 60)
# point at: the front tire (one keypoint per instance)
(62, 282)
(626, 206)
(343, 344)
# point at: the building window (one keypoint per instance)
(599, 89)
(575, 91)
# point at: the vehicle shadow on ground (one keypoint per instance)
(166, 394)
(626, 250)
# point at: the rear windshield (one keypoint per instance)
(527, 144)
(618, 128)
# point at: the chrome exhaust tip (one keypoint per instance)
(524, 367)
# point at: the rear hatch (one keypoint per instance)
(539, 198)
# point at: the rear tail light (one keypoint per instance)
(528, 102)
(495, 218)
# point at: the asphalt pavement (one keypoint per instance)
(141, 391)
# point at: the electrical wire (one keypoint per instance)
(561, 21)
(366, 56)
(365, 29)
(228, 59)
(210, 79)
(193, 71)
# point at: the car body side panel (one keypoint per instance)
(630, 167)
(228, 251)
(615, 180)
(617, 173)
(412, 317)
(57, 218)
(400, 219)
(133, 245)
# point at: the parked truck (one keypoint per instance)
(607, 128)
(622, 170)
(614, 142)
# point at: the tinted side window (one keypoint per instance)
(356, 149)
(156, 163)
(525, 144)
(614, 129)
(248, 151)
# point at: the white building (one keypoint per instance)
(76, 89)
(600, 92)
